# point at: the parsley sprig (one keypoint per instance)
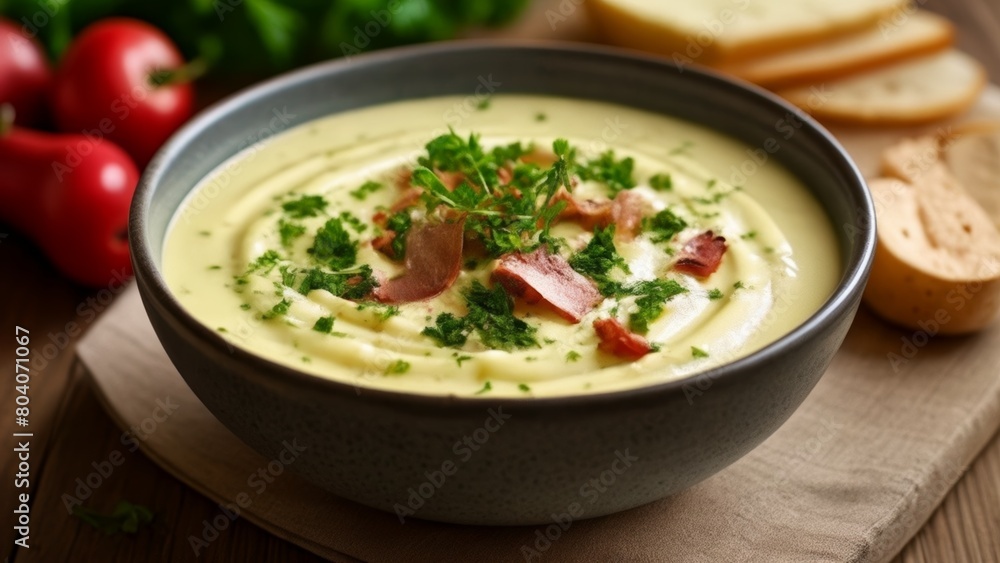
(490, 316)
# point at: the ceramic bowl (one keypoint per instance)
(520, 460)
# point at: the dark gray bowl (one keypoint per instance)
(451, 459)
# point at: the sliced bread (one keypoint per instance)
(724, 31)
(973, 155)
(918, 34)
(910, 92)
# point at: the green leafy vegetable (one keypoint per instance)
(652, 295)
(698, 352)
(663, 226)
(599, 257)
(661, 182)
(289, 231)
(305, 206)
(615, 174)
(490, 316)
(365, 190)
(398, 367)
(399, 223)
(324, 325)
(715, 294)
(333, 246)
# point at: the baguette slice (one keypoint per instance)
(937, 264)
(911, 92)
(973, 155)
(724, 31)
(922, 33)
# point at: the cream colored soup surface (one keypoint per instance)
(780, 266)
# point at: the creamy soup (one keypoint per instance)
(540, 246)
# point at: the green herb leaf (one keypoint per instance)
(661, 182)
(305, 206)
(613, 173)
(365, 190)
(333, 246)
(398, 367)
(486, 387)
(652, 297)
(715, 294)
(698, 352)
(663, 226)
(324, 325)
(289, 231)
(600, 256)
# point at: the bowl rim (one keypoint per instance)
(846, 294)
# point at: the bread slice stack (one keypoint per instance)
(880, 62)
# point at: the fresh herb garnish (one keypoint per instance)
(651, 296)
(357, 225)
(490, 316)
(661, 182)
(459, 359)
(279, 309)
(698, 352)
(615, 174)
(351, 284)
(264, 263)
(486, 387)
(324, 325)
(305, 206)
(365, 190)
(572, 356)
(126, 517)
(663, 226)
(333, 246)
(399, 223)
(749, 236)
(715, 294)
(398, 367)
(289, 231)
(739, 285)
(511, 217)
(598, 258)
(524, 387)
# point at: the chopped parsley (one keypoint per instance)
(572, 356)
(663, 226)
(264, 263)
(540, 117)
(305, 206)
(324, 325)
(698, 352)
(365, 190)
(385, 312)
(749, 236)
(398, 367)
(350, 284)
(615, 174)
(711, 183)
(486, 387)
(504, 217)
(353, 222)
(683, 148)
(739, 285)
(715, 294)
(289, 231)
(651, 296)
(400, 224)
(524, 387)
(661, 182)
(599, 257)
(215, 267)
(460, 359)
(333, 246)
(245, 306)
(483, 104)
(279, 309)
(490, 316)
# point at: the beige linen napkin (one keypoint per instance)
(850, 477)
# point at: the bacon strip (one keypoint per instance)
(625, 211)
(619, 341)
(433, 260)
(701, 255)
(547, 278)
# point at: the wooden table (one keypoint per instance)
(72, 432)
